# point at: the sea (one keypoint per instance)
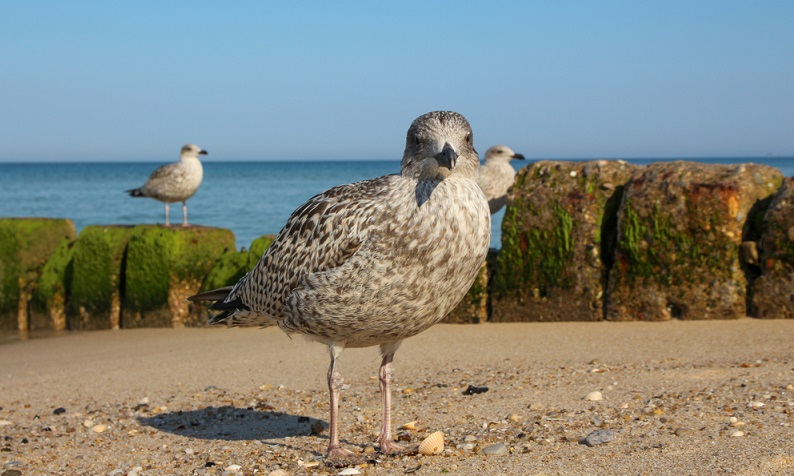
(250, 198)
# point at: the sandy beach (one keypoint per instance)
(712, 397)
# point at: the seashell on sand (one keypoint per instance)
(411, 425)
(433, 444)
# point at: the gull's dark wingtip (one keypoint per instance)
(214, 295)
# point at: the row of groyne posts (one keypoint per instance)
(581, 241)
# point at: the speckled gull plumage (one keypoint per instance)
(175, 182)
(497, 175)
(374, 262)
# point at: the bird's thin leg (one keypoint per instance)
(184, 214)
(166, 214)
(387, 445)
(336, 455)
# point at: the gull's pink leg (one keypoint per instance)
(184, 214)
(166, 214)
(387, 445)
(336, 455)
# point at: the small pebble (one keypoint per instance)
(470, 439)
(99, 428)
(233, 468)
(278, 472)
(594, 396)
(682, 432)
(5, 423)
(472, 390)
(599, 437)
(737, 434)
(59, 410)
(349, 471)
(757, 405)
(12, 472)
(496, 449)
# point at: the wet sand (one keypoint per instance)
(711, 397)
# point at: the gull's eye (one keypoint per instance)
(468, 138)
(417, 140)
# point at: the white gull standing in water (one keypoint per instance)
(175, 182)
(497, 175)
(373, 262)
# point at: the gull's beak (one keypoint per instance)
(447, 157)
(517, 156)
(202, 152)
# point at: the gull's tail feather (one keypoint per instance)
(232, 311)
(215, 295)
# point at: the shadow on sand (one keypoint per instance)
(231, 423)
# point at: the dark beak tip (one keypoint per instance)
(203, 152)
(519, 157)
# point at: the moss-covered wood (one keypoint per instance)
(48, 303)
(163, 267)
(772, 295)
(558, 228)
(96, 277)
(232, 265)
(25, 246)
(680, 226)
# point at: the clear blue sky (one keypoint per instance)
(134, 80)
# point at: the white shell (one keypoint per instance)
(433, 444)
(594, 396)
(411, 425)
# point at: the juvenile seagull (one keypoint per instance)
(497, 175)
(175, 182)
(373, 262)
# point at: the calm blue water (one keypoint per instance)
(250, 198)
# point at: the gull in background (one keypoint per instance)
(175, 182)
(497, 175)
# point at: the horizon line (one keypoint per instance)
(528, 160)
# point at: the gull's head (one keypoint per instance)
(192, 151)
(501, 154)
(440, 144)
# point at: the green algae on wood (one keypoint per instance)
(163, 267)
(550, 267)
(48, 303)
(233, 265)
(97, 268)
(25, 246)
(680, 226)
